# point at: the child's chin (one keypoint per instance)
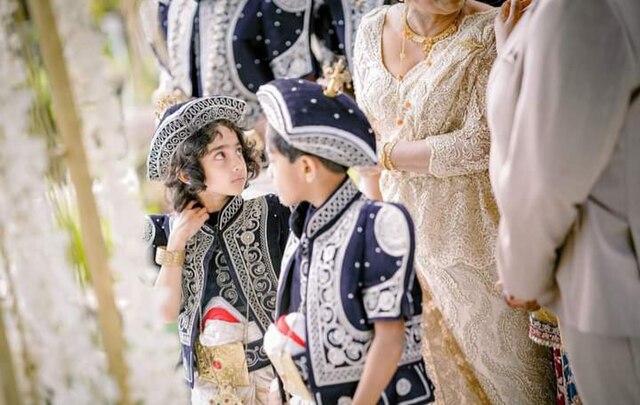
(237, 189)
(287, 202)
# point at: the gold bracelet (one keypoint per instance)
(169, 257)
(385, 155)
(388, 154)
(382, 157)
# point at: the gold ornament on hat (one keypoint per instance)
(166, 100)
(336, 78)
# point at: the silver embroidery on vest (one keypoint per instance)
(251, 260)
(180, 27)
(336, 347)
(193, 283)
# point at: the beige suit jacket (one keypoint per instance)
(564, 112)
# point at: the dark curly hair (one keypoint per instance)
(186, 159)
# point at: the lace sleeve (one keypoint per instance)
(466, 151)
(365, 48)
(357, 70)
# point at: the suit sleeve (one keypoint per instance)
(388, 269)
(281, 216)
(575, 90)
(156, 234)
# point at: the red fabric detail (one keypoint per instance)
(561, 386)
(283, 327)
(219, 314)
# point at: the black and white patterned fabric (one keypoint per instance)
(349, 264)
(333, 128)
(231, 47)
(236, 257)
(335, 24)
(181, 121)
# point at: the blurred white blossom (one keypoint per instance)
(47, 313)
(60, 330)
(152, 351)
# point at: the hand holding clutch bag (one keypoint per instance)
(283, 340)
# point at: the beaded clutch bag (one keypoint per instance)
(225, 366)
(543, 329)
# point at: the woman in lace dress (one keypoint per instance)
(425, 98)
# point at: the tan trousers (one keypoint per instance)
(606, 368)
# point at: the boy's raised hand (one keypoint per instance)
(187, 224)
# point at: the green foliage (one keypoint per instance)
(43, 124)
(66, 216)
(65, 210)
(42, 121)
(99, 8)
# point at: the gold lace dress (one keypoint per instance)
(476, 348)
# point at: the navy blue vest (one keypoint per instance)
(239, 259)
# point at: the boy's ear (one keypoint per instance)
(183, 177)
(310, 168)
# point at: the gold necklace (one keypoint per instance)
(426, 42)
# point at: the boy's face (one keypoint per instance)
(288, 177)
(225, 170)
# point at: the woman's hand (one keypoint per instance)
(506, 20)
(516, 303)
(368, 171)
(369, 181)
(187, 224)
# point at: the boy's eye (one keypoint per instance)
(239, 151)
(219, 156)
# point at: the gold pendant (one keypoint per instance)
(426, 48)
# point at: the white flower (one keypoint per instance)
(52, 322)
(151, 350)
(47, 317)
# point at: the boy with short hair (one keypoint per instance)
(347, 271)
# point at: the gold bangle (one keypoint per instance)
(382, 157)
(385, 155)
(388, 154)
(169, 258)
